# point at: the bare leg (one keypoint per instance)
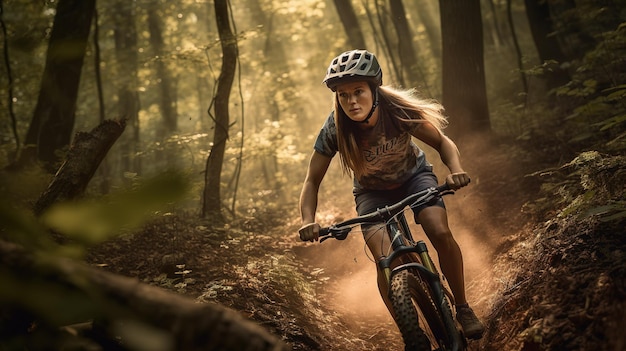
(378, 243)
(435, 223)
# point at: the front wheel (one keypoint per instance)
(417, 315)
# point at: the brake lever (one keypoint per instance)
(333, 232)
(324, 238)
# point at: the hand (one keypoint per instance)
(309, 232)
(457, 180)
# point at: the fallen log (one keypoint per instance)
(83, 158)
(124, 303)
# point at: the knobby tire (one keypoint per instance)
(422, 328)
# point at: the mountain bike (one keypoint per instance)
(421, 303)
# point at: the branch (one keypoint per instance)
(118, 299)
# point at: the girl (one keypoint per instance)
(371, 128)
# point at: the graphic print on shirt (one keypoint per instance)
(390, 155)
(387, 161)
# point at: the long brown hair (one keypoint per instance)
(405, 105)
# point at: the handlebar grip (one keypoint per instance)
(443, 187)
(324, 231)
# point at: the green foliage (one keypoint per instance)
(591, 185)
(93, 221)
(597, 93)
(40, 293)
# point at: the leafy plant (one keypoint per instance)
(38, 298)
(591, 185)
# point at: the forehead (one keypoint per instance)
(352, 86)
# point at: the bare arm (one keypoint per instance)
(448, 152)
(318, 165)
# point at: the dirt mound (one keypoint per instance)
(564, 279)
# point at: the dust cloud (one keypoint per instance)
(350, 274)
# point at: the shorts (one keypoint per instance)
(368, 201)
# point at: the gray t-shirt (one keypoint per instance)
(391, 157)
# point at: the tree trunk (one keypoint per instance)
(167, 91)
(409, 62)
(518, 51)
(548, 47)
(212, 200)
(464, 88)
(350, 24)
(493, 26)
(53, 121)
(114, 300)
(127, 61)
(167, 95)
(426, 12)
(83, 158)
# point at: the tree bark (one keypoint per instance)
(409, 62)
(428, 15)
(350, 25)
(548, 47)
(212, 203)
(53, 121)
(118, 300)
(167, 96)
(127, 60)
(464, 87)
(83, 158)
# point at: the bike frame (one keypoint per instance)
(403, 245)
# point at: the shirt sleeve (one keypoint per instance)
(326, 142)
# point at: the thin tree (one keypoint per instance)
(104, 169)
(409, 62)
(275, 61)
(212, 204)
(464, 87)
(7, 64)
(350, 24)
(547, 44)
(428, 15)
(167, 93)
(127, 60)
(53, 120)
(518, 51)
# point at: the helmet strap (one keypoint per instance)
(374, 105)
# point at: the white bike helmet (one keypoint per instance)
(352, 66)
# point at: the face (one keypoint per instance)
(356, 101)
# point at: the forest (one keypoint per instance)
(152, 155)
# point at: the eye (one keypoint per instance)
(343, 95)
(358, 92)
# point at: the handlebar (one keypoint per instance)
(340, 230)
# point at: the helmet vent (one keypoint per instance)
(353, 66)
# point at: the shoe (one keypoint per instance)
(471, 325)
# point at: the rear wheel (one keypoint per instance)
(416, 314)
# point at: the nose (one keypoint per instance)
(352, 98)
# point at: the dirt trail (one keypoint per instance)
(350, 278)
(482, 217)
(256, 266)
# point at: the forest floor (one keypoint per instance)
(539, 283)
